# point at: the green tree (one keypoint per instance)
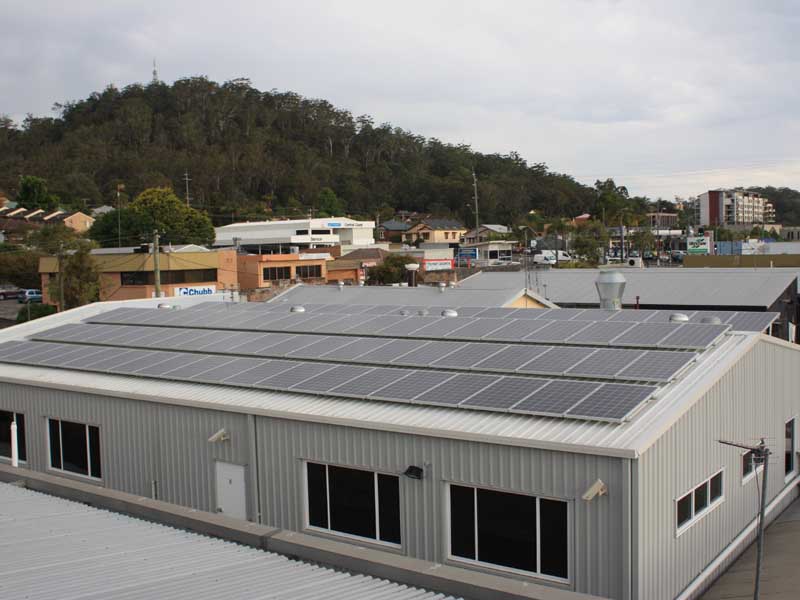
(20, 268)
(32, 194)
(34, 311)
(154, 209)
(589, 241)
(81, 277)
(391, 270)
(559, 229)
(643, 240)
(52, 238)
(329, 204)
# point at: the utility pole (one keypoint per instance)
(186, 180)
(760, 457)
(475, 195)
(156, 264)
(61, 277)
(120, 187)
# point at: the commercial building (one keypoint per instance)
(662, 220)
(128, 273)
(485, 233)
(436, 231)
(723, 208)
(258, 271)
(577, 449)
(291, 236)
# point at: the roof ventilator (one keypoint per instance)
(298, 309)
(711, 320)
(610, 286)
(678, 318)
(449, 312)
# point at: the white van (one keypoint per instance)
(548, 257)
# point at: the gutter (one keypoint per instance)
(736, 545)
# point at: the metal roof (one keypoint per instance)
(667, 286)
(56, 548)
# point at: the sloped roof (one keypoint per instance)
(367, 254)
(395, 225)
(440, 224)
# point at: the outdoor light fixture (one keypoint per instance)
(221, 436)
(598, 488)
(413, 472)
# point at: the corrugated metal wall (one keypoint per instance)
(597, 525)
(734, 409)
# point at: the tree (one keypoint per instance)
(34, 311)
(391, 270)
(329, 204)
(559, 228)
(52, 238)
(32, 194)
(589, 241)
(20, 268)
(643, 240)
(81, 278)
(154, 209)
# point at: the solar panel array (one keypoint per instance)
(687, 336)
(525, 395)
(569, 363)
(574, 361)
(738, 320)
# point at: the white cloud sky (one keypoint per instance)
(669, 98)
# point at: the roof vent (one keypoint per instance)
(164, 305)
(711, 320)
(341, 285)
(449, 312)
(405, 313)
(452, 285)
(422, 312)
(678, 318)
(442, 286)
(610, 285)
(298, 309)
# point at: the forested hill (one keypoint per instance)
(252, 154)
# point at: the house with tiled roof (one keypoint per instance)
(392, 230)
(448, 231)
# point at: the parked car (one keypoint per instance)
(26, 296)
(548, 257)
(7, 292)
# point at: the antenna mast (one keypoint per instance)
(186, 180)
(155, 72)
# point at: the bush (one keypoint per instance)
(36, 311)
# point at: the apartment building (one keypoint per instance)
(734, 207)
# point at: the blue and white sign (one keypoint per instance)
(467, 254)
(199, 290)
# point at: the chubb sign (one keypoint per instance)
(202, 290)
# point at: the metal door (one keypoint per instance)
(231, 490)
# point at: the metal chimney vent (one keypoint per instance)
(711, 320)
(298, 309)
(610, 286)
(678, 318)
(449, 312)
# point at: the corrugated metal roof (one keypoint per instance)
(679, 286)
(55, 548)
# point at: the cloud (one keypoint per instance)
(669, 98)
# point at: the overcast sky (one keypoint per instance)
(669, 98)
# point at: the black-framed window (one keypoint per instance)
(169, 277)
(789, 460)
(516, 531)
(134, 277)
(354, 502)
(74, 447)
(308, 271)
(277, 273)
(696, 502)
(6, 418)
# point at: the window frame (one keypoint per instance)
(267, 269)
(300, 268)
(711, 505)
(21, 448)
(449, 557)
(789, 475)
(351, 536)
(64, 471)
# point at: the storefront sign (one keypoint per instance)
(200, 290)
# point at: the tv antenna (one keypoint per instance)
(186, 180)
(155, 72)
(760, 457)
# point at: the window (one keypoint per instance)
(381, 234)
(789, 460)
(694, 504)
(74, 447)
(749, 466)
(308, 271)
(134, 278)
(520, 532)
(277, 273)
(6, 418)
(169, 277)
(426, 235)
(354, 502)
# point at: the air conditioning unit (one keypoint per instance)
(634, 262)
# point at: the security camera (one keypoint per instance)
(221, 436)
(598, 488)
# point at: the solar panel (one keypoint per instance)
(149, 359)
(383, 310)
(645, 334)
(612, 402)
(9, 349)
(556, 398)
(323, 323)
(357, 348)
(317, 349)
(594, 314)
(228, 370)
(188, 339)
(62, 333)
(174, 361)
(557, 331)
(428, 353)
(657, 365)
(345, 323)
(392, 350)
(477, 329)
(469, 311)
(299, 372)
(662, 316)
(293, 343)
(599, 333)
(267, 369)
(496, 313)
(56, 359)
(556, 360)
(634, 316)
(387, 326)
(19, 351)
(694, 336)
(511, 358)
(331, 378)
(196, 368)
(453, 391)
(440, 326)
(115, 359)
(467, 355)
(504, 393)
(374, 380)
(606, 362)
(752, 321)
(723, 315)
(222, 342)
(561, 314)
(418, 382)
(253, 342)
(516, 329)
(528, 314)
